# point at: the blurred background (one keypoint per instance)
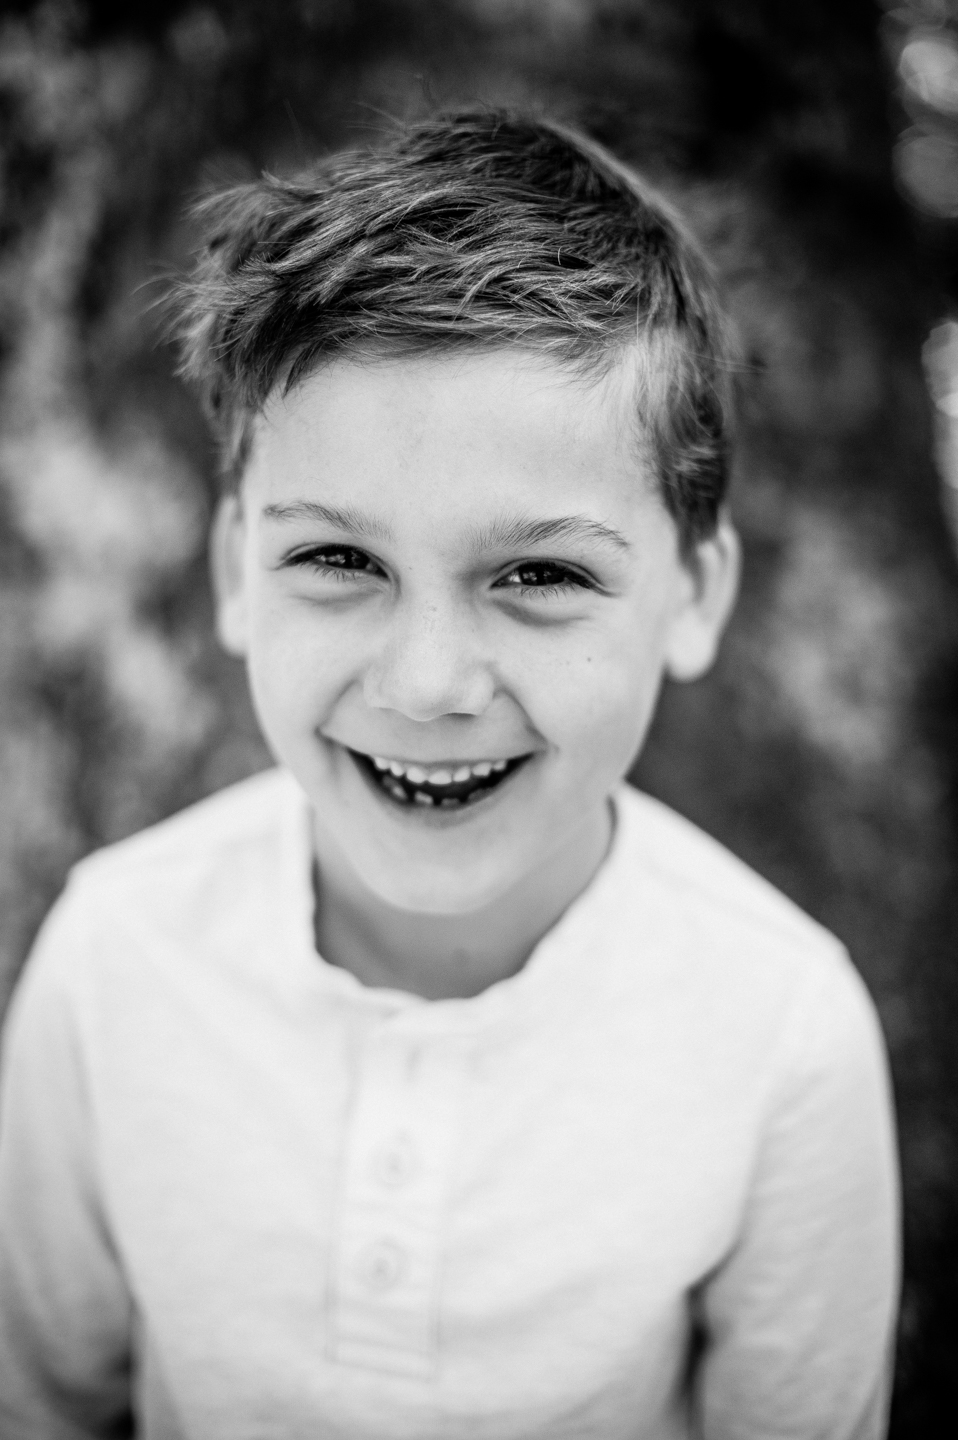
(814, 147)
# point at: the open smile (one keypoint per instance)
(449, 786)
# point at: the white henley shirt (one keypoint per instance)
(645, 1189)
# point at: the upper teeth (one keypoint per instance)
(443, 775)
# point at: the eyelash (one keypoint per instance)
(317, 560)
(572, 580)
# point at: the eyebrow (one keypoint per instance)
(502, 534)
(515, 534)
(339, 518)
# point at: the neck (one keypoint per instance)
(444, 957)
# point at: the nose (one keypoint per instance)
(429, 664)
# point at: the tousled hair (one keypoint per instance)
(472, 230)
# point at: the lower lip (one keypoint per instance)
(436, 815)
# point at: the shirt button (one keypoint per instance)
(395, 1164)
(382, 1265)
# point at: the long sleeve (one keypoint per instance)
(65, 1314)
(800, 1319)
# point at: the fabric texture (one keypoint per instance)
(645, 1189)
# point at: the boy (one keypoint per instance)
(436, 1084)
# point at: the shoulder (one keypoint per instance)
(201, 880)
(685, 861)
(762, 997)
(244, 817)
(723, 924)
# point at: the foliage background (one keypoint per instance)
(823, 748)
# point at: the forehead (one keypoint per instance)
(462, 432)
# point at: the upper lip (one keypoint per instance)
(445, 772)
(491, 757)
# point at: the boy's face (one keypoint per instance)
(457, 591)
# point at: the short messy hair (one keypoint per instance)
(465, 231)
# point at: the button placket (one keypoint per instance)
(394, 1194)
(395, 1163)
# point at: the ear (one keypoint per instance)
(712, 574)
(228, 571)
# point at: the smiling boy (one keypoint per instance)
(436, 1084)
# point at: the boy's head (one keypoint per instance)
(471, 391)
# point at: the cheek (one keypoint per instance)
(615, 718)
(295, 664)
(597, 689)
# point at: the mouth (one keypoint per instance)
(450, 786)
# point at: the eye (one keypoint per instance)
(543, 578)
(343, 562)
